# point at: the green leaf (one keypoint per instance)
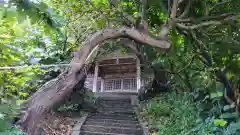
(3, 125)
(228, 115)
(18, 31)
(1, 13)
(2, 116)
(238, 19)
(232, 128)
(4, 108)
(43, 6)
(21, 16)
(216, 94)
(227, 107)
(220, 122)
(23, 94)
(11, 12)
(136, 14)
(12, 131)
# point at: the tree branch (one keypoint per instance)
(182, 26)
(130, 44)
(144, 10)
(225, 16)
(180, 1)
(186, 66)
(33, 66)
(186, 10)
(174, 9)
(218, 4)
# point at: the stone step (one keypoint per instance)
(116, 108)
(121, 112)
(116, 130)
(97, 133)
(116, 105)
(136, 125)
(112, 121)
(115, 113)
(115, 102)
(115, 118)
(112, 115)
(114, 99)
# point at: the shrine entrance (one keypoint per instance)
(116, 73)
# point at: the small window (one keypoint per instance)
(108, 85)
(129, 83)
(117, 84)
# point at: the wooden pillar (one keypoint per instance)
(138, 75)
(102, 85)
(121, 84)
(95, 78)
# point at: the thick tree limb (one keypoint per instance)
(128, 43)
(93, 53)
(164, 32)
(174, 9)
(57, 89)
(33, 66)
(133, 46)
(186, 10)
(182, 26)
(180, 1)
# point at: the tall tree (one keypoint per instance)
(176, 18)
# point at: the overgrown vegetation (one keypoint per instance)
(199, 57)
(31, 35)
(185, 113)
(170, 114)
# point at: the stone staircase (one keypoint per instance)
(115, 116)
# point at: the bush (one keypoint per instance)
(170, 113)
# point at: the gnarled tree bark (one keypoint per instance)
(59, 88)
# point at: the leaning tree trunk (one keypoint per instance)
(57, 89)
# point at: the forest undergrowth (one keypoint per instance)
(183, 113)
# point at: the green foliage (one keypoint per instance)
(171, 113)
(30, 35)
(212, 126)
(49, 31)
(13, 131)
(86, 102)
(177, 114)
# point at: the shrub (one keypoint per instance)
(170, 113)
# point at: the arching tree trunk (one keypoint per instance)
(59, 88)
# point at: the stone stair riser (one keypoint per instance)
(113, 124)
(112, 130)
(112, 121)
(114, 117)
